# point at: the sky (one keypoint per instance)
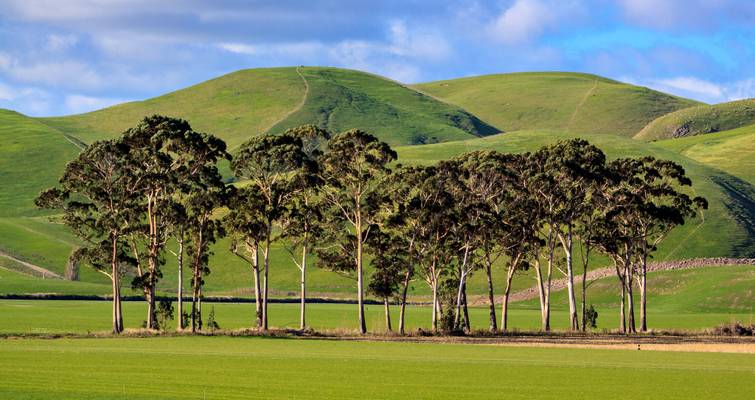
(61, 57)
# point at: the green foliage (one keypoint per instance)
(591, 316)
(212, 323)
(164, 313)
(700, 120)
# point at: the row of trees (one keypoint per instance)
(340, 199)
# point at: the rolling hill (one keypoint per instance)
(700, 120)
(558, 101)
(250, 102)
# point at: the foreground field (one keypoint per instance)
(221, 367)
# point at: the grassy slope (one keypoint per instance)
(32, 155)
(234, 106)
(557, 100)
(700, 120)
(726, 229)
(342, 99)
(731, 151)
(242, 368)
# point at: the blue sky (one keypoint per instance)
(69, 56)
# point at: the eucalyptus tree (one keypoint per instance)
(96, 199)
(167, 158)
(247, 227)
(302, 220)
(389, 265)
(203, 231)
(354, 170)
(575, 165)
(270, 164)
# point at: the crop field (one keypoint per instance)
(222, 367)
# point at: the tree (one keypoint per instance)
(353, 170)
(96, 200)
(389, 264)
(247, 226)
(270, 163)
(301, 221)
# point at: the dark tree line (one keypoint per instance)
(157, 190)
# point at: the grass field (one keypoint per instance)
(731, 151)
(557, 100)
(700, 120)
(686, 299)
(214, 368)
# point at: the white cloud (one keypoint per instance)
(694, 85)
(424, 44)
(79, 103)
(240, 48)
(522, 22)
(296, 50)
(700, 89)
(57, 42)
(526, 20)
(687, 13)
(6, 92)
(66, 73)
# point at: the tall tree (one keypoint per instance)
(96, 198)
(301, 221)
(353, 170)
(389, 265)
(247, 227)
(270, 163)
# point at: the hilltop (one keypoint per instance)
(251, 102)
(563, 101)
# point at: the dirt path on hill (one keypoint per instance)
(298, 106)
(580, 104)
(37, 270)
(559, 284)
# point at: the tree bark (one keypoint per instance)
(402, 309)
(643, 293)
(115, 278)
(360, 275)
(584, 287)
(628, 278)
(302, 311)
(266, 256)
(467, 323)
(540, 291)
(436, 310)
(180, 294)
(505, 303)
(567, 244)
(387, 314)
(491, 298)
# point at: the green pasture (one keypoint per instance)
(228, 368)
(557, 100)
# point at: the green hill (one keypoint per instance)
(731, 151)
(249, 102)
(557, 100)
(700, 120)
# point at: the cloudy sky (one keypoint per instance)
(69, 56)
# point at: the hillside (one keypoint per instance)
(557, 100)
(731, 151)
(700, 120)
(246, 103)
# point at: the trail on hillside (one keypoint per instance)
(298, 106)
(581, 103)
(46, 273)
(559, 284)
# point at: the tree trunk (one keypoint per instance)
(115, 279)
(491, 298)
(152, 263)
(257, 287)
(584, 288)
(266, 256)
(462, 278)
(387, 315)
(180, 294)
(628, 278)
(199, 309)
(567, 245)
(540, 291)
(402, 309)
(622, 317)
(302, 311)
(467, 323)
(505, 303)
(643, 294)
(360, 275)
(436, 311)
